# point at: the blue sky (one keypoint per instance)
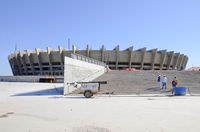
(164, 24)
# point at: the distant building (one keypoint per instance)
(51, 61)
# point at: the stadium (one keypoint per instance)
(51, 61)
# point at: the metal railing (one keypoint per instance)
(87, 59)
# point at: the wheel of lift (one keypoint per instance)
(88, 94)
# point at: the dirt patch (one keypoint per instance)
(90, 129)
(6, 115)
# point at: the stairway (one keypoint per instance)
(145, 82)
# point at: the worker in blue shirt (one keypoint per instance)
(159, 81)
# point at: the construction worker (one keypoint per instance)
(177, 81)
(159, 81)
(174, 84)
(164, 82)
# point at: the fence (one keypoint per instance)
(87, 59)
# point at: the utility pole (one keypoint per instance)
(69, 43)
(15, 47)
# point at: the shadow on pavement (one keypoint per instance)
(69, 97)
(152, 89)
(46, 92)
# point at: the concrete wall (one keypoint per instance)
(26, 79)
(51, 61)
(79, 71)
(19, 78)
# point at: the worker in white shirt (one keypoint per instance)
(164, 82)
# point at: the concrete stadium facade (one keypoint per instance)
(51, 61)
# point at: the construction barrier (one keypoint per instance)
(193, 69)
(127, 69)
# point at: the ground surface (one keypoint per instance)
(32, 107)
(145, 82)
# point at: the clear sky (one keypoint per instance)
(164, 24)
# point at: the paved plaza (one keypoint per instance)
(37, 107)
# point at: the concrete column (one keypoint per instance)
(185, 59)
(180, 61)
(171, 57)
(50, 64)
(130, 52)
(154, 53)
(40, 65)
(18, 64)
(88, 51)
(163, 56)
(117, 56)
(31, 63)
(22, 62)
(10, 59)
(177, 55)
(143, 50)
(185, 64)
(62, 58)
(102, 53)
(130, 56)
(73, 49)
